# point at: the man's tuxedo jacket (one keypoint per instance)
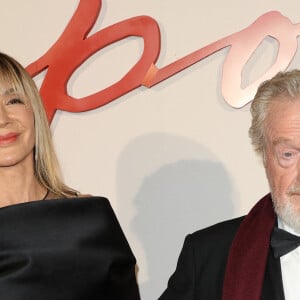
(201, 266)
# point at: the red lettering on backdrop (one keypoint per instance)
(74, 47)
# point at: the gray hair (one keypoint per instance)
(285, 84)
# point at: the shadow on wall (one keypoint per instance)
(175, 187)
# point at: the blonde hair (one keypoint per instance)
(46, 166)
(283, 84)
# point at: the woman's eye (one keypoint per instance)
(15, 101)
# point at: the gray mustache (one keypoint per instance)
(294, 190)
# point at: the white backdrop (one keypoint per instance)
(173, 158)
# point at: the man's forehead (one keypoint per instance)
(283, 109)
(282, 126)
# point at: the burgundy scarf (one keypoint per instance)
(248, 254)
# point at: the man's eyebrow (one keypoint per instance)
(287, 142)
(281, 140)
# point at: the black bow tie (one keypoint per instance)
(283, 242)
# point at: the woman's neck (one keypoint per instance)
(18, 185)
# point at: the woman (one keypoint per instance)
(54, 243)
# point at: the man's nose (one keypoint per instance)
(298, 171)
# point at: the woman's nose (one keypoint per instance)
(4, 117)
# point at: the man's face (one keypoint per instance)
(282, 158)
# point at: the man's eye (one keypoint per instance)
(15, 101)
(287, 154)
(287, 158)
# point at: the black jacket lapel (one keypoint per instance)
(273, 286)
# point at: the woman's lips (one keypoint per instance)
(8, 138)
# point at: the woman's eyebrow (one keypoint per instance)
(9, 91)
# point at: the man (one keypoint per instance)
(247, 258)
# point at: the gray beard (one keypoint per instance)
(288, 213)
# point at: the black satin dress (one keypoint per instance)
(64, 249)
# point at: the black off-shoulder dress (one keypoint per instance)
(64, 249)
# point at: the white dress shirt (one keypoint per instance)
(290, 268)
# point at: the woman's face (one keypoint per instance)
(17, 133)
